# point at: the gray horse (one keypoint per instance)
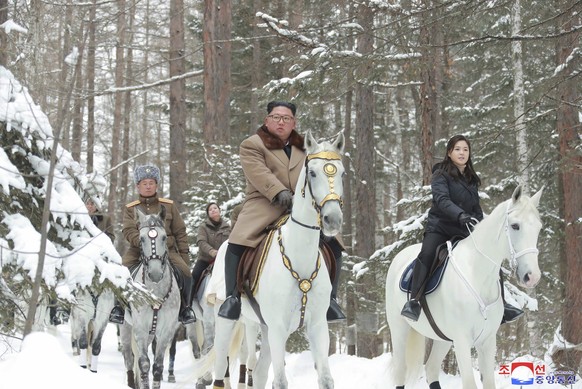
(144, 322)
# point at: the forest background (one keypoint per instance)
(181, 83)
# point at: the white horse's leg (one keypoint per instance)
(143, 360)
(162, 344)
(399, 330)
(261, 372)
(433, 364)
(318, 336)
(224, 330)
(251, 335)
(486, 357)
(277, 340)
(125, 334)
(463, 354)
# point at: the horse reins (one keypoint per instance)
(153, 234)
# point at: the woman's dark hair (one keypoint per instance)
(285, 104)
(208, 207)
(448, 166)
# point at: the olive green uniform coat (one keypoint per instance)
(178, 248)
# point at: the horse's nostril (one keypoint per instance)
(526, 278)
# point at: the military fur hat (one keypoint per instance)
(146, 171)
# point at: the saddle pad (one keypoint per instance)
(433, 281)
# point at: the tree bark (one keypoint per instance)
(568, 129)
(365, 167)
(117, 112)
(91, 88)
(217, 51)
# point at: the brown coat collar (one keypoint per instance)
(273, 143)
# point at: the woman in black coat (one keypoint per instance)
(454, 211)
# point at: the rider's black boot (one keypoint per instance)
(230, 309)
(411, 308)
(334, 312)
(510, 313)
(117, 314)
(187, 315)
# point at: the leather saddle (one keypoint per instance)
(436, 273)
(253, 260)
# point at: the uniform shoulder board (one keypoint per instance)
(167, 201)
(133, 204)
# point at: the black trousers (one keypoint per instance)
(430, 242)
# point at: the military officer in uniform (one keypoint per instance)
(146, 178)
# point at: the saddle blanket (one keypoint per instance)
(433, 281)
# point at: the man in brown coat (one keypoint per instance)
(146, 178)
(272, 161)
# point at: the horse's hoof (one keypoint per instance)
(156, 385)
(200, 385)
(171, 377)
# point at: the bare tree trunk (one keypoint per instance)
(367, 317)
(177, 103)
(62, 110)
(127, 108)
(569, 129)
(519, 97)
(91, 88)
(217, 51)
(255, 75)
(77, 134)
(431, 70)
(3, 36)
(117, 112)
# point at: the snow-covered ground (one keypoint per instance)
(46, 361)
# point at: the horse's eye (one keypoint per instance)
(515, 226)
(312, 173)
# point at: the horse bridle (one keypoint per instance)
(153, 234)
(515, 255)
(330, 171)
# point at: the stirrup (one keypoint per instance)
(187, 316)
(117, 315)
(230, 308)
(411, 310)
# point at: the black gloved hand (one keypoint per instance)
(284, 198)
(467, 220)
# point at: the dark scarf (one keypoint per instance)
(273, 143)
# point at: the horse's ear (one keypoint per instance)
(340, 143)
(140, 215)
(516, 194)
(536, 198)
(310, 142)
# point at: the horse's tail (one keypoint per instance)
(415, 348)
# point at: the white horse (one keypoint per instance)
(467, 306)
(295, 287)
(145, 322)
(89, 318)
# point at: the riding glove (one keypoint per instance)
(467, 220)
(284, 198)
